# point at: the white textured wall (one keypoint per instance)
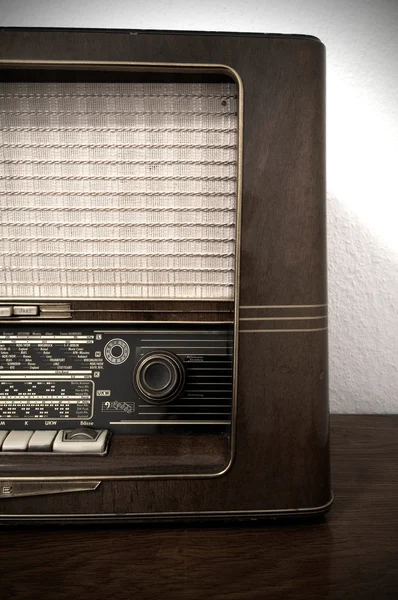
(361, 37)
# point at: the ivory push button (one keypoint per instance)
(5, 311)
(42, 441)
(3, 435)
(25, 311)
(17, 441)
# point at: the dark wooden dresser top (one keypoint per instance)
(351, 553)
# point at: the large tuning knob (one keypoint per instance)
(159, 377)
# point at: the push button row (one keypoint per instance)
(47, 311)
(19, 311)
(73, 441)
(21, 441)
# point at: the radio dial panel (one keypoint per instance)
(143, 378)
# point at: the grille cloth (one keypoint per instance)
(118, 190)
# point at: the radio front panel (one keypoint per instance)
(119, 202)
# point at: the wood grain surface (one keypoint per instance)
(351, 553)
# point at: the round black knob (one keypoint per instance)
(159, 377)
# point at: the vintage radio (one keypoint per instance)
(163, 341)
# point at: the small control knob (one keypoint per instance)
(116, 351)
(159, 377)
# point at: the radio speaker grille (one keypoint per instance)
(118, 190)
